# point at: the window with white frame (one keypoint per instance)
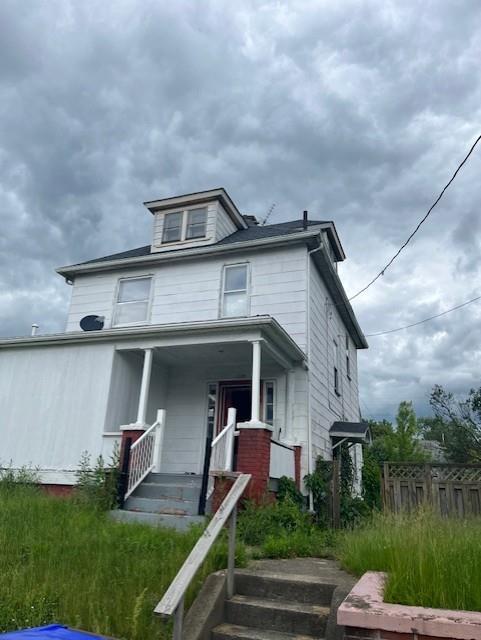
(235, 290)
(337, 382)
(269, 402)
(133, 301)
(348, 359)
(184, 225)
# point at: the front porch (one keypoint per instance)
(235, 392)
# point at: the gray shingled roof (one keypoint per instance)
(243, 235)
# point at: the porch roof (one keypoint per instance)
(181, 333)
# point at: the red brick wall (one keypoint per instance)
(59, 490)
(134, 435)
(254, 456)
(222, 486)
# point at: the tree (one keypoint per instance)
(458, 424)
(399, 443)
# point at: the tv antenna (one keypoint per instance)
(271, 209)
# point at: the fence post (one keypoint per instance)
(385, 488)
(428, 480)
(335, 494)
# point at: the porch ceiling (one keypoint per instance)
(236, 354)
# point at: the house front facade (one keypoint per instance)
(216, 313)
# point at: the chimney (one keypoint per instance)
(251, 221)
(304, 220)
(34, 329)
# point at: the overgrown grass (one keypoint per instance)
(63, 561)
(431, 561)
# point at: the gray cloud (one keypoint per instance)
(357, 111)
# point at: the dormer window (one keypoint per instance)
(184, 225)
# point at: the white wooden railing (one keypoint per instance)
(222, 454)
(282, 460)
(145, 453)
(172, 604)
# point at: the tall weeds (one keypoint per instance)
(431, 561)
(61, 560)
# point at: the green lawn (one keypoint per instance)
(67, 563)
(431, 562)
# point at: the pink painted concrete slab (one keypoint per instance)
(364, 607)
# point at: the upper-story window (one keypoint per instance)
(184, 225)
(348, 359)
(235, 291)
(337, 382)
(133, 301)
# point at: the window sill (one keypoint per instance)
(176, 243)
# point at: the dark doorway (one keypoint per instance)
(237, 395)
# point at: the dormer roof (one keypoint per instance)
(199, 198)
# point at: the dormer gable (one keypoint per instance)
(193, 220)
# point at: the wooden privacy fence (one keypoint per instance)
(451, 489)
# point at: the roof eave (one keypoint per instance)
(170, 256)
(339, 297)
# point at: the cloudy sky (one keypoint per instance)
(357, 111)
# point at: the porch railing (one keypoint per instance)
(222, 455)
(172, 604)
(146, 453)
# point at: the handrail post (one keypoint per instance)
(229, 453)
(159, 438)
(178, 621)
(231, 553)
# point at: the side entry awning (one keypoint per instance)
(350, 432)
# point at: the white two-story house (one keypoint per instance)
(217, 312)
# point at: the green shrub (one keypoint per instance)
(258, 522)
(287, 490)
(319, 483)
(14, 478)
(98, 485)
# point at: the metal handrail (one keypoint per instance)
(172, 603)
(145, 453)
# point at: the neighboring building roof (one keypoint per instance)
(243, 235)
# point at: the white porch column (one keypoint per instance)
(256, 381)
(288, 435)
(144, 387)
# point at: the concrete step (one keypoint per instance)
(238, 632)
(184, 479)
(165, 490)
(181, 523)
(277, 615)
(173, 506)
(291, 587)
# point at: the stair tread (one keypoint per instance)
(283, 605)
(252, 633)
(287, 577)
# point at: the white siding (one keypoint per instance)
(223, 224)
(326, 406)
(53, 403)
(190, 290)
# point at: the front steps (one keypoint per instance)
(168, 500)
(282, 605)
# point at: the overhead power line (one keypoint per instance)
(414, 324)
(383, 270)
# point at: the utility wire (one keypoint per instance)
(414, 324)
(381, 273)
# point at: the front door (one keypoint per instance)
(237, 395)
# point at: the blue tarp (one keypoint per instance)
(51, 632)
